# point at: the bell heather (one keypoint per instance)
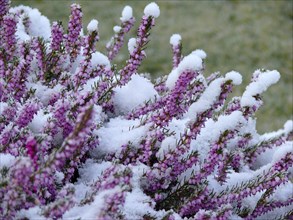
(81, 138)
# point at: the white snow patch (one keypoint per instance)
(116, 29)
(264, 158)
(288, 126)
(98, 115)
(172, 78)
(251, 201)
(118, 132)
(191, 62)
(204, 140)
(93, 26)
(259, 86)
(235, 77)
(200, 53)
(91, 171)
(131, 45)
(207, 99)
(43, 92)
(234, 178)
(137, 204)
(100, 59)
(81, 189)
(21, 33)
(168, 144)
(135, 92)
(59, 176)
(39, 25)
(31, 213)
(6, 160)
(175, 39)
(284, 192)
(126, 14)
(3, 106)
(39, 121)
(92, 210)
(152, 9)
(282, 150)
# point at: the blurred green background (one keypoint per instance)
(237, 35)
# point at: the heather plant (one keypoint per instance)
(81, 138)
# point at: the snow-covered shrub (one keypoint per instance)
(81, 138)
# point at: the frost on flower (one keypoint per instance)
(81, 138)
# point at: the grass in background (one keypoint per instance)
(237, 35)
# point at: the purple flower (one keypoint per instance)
(8, 33)
(72, 39)
(117, 41)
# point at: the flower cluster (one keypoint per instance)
(82, 139)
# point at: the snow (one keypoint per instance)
(264, 158)
(251, 201)
(31, 213)
(3, 106)
(21, 32)
(137, 204)
(39, 121)
(6, 160)
(126, 14)
(116, 29)
(191, 62)
(100, 59)
(90, 85)
(235, 77)
(288, 126)
(90, 211)
(204, 140)
(282, 150)
(39, 24)
(59, 176)
(172, 78)
(131, 45)
(168, 144)
(202, 54)
(207, 99)
(43, 92)
(81, 189)
(93, 26)
(275, 213)
(91, 171)
(152, 9)
(177, 126)
(175, 39)
(212, 92)
(117, 132)
(260, 85)
(234, 178)
(283, 192)
(135, 92)
(98, 114)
